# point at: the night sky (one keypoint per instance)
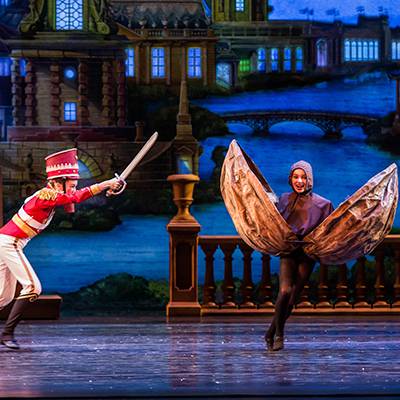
(297, 9)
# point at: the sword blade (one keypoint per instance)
(139, 156)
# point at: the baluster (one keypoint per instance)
(266, 285)
(304, 301)
(396, 286)
(380, 301)
(342, 289)
(209, 282)
(323, 292)
(247, 284)
(361, 288)
(228, 287)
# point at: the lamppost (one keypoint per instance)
(395, 75)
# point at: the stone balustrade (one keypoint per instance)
(366, 285)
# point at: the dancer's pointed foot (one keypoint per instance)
(278, 343)
(11, 344)
(269, 340)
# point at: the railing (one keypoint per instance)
(369, 286)
(171, 33)
(355, 294)
(256, 31)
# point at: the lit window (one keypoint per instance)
(244, 66)
(70, 111)
(194, 62)
(130, 62)
(22, 67)
(157, 62)
(70, 73)
(274, 59)
(239, 5)
(376, 50)
(261, 60)
(69, 15)
(5, 66)
(4, 3)
(347, 55)
(287, 62)
(396, 50)
(361, 50)
(224, 73)
(322, 53)
(299, 59)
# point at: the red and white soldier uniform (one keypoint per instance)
(31, 219)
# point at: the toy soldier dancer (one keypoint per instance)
(32, 218)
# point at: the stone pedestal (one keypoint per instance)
(183, 244)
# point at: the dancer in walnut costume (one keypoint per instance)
(302, 227)
(31, 219)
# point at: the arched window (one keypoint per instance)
(376, 50)
(274, 59)
(299, 59)
(347, 55)
(395, 50)
(287, 59)
(353, 56)
(69, 15)
(322, 53)
(365, 51)
(22, 67)
(261, 60)
(130, 62)
(5, 66)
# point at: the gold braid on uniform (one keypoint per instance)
(47, 194)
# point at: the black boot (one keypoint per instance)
(17, 310)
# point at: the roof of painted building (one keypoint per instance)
(174, 14)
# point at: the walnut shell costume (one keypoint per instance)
(354, 228)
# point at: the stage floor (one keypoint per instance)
(149, 357)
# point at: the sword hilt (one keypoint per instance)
(111, 192)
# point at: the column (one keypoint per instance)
(121, 94)
(30, 94)
(55, 92)
(16, 90)
(83, 110)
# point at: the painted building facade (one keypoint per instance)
(251, 43)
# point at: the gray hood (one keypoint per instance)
(306, 167)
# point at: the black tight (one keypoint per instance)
(294, 272)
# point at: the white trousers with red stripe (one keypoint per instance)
(15, 267)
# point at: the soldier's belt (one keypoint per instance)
(23, 226)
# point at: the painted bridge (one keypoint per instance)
(331, 123)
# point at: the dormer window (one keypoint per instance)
(69, 15)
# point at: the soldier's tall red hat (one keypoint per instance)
(63, 164)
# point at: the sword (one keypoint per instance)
(133, 164)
